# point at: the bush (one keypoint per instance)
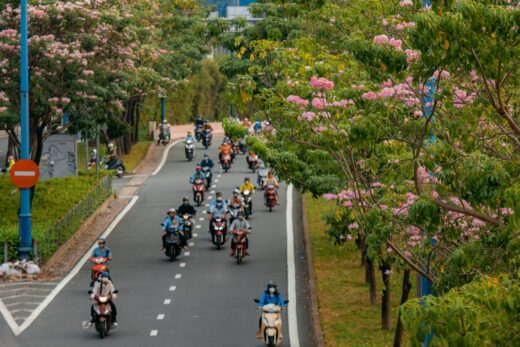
(53, 199)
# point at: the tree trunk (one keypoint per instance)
(371, 279)
(360, 242)
(386, 309)
(137, 119)
(407, 286)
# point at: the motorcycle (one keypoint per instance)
(270, 197)
(206, 138)
(117, 166)
(198, 191)
(262, 174)
(218, 234)
(252, 162)
(233, 212)
(103, 318)
(239, 244)
(100, 265)
(226, 162)
(187, 226)
(209, 175)
(198, 133)
(173, 244)
(164, 137)
(271, 327)
(248, 202)
(189, 149)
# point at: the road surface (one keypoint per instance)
(202, 299)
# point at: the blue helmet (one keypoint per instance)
(104, 274)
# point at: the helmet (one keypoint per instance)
(236, 191)
(189, 133)
(104, 274)
(271, 283)
(185, 199)
(172, 210)
(205, 121)
(206, 156)
(246, 179)
(101, 240)
(198, 168)
(240, 214)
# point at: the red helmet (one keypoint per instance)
(198, 168)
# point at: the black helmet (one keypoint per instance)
(271, 283)
(246, 179)
(185, 199)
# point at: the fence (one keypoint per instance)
(64, 228)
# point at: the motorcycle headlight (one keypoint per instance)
(103, 299)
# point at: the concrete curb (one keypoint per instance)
(316, 322)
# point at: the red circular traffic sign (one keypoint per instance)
(24, 173)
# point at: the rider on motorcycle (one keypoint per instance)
(102, 287)
(270, 296)
(189, 137)
(241, 224)
(225, 148)
(207, 126)
(101, 250)
(218, 197)
(207, 162)
(171, 221)
(270, 179)
(219, 210)
(112, 152)
(199, 122)
(186, 207)
(198, 174)
(248, 186)
(251, 157)
(236, 198)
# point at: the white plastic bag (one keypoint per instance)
(32, 268)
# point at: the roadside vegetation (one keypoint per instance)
(54, 198)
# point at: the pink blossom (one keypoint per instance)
(318, 103)
(321, 83)
(409, 25)
(478, 223)
(377, 185)
(349, 237)
(417, 113)
(389, 250)
(308, 116)
(59, 110)
(65, 100)
(343, 103)
(380, 39)
(295, 99)
(353, 226)
(358, 87)
(54, 99)
(427, 8)
(386, 93)
(388, 272)
(399, 27)
(443, 74)
(37, 73)
(38, 13)
(405, 3)
(412, 55)
(396, 43)
(387, 83)
(383, 207)
(507, 211)
(88, 72)
(435, 194)
(473, 74)
(319, 129)
(369, 96)
(330, 196)
(3, 109)
(347, 204)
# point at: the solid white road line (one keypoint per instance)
(291, 272)
(154, 332)
(160, 316)
(178, 276)
(172, 288)
(167, 301)
(164, 157)
(17, 330)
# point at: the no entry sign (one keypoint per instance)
(24, 173)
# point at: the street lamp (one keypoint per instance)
(25, 220)
(163, 108)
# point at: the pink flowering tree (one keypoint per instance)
(409, 123)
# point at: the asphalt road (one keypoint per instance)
(202, 299)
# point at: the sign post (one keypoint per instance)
(25, 221)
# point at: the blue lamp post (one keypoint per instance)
(163, 108)
(25, 221)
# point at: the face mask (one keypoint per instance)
(101, 245)
(105, 279)
(185, 203)
(272, 290)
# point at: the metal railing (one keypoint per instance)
(61, 231)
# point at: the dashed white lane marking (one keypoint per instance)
(214, 186)
(160, 316)
(204, 212)
(217, 179)
(210, 197)
(198, 226)
(195, 235)
(187, 253)
(219, 176)
(167, 301)
(154, 332)
(191, 244)
(172, 288)
(201, 219)
(182, 265)
(207, 205)
(178, 276)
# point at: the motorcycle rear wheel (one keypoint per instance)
(218, 242)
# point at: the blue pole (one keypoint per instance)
(163, 109)
(25, 222)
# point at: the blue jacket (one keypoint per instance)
(214, 204)
(209, 163)
(98, 252)
(201, 174)
(267, 299)
(167, 224)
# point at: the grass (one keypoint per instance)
(131, 160)
(52, 200)
(347, 318)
